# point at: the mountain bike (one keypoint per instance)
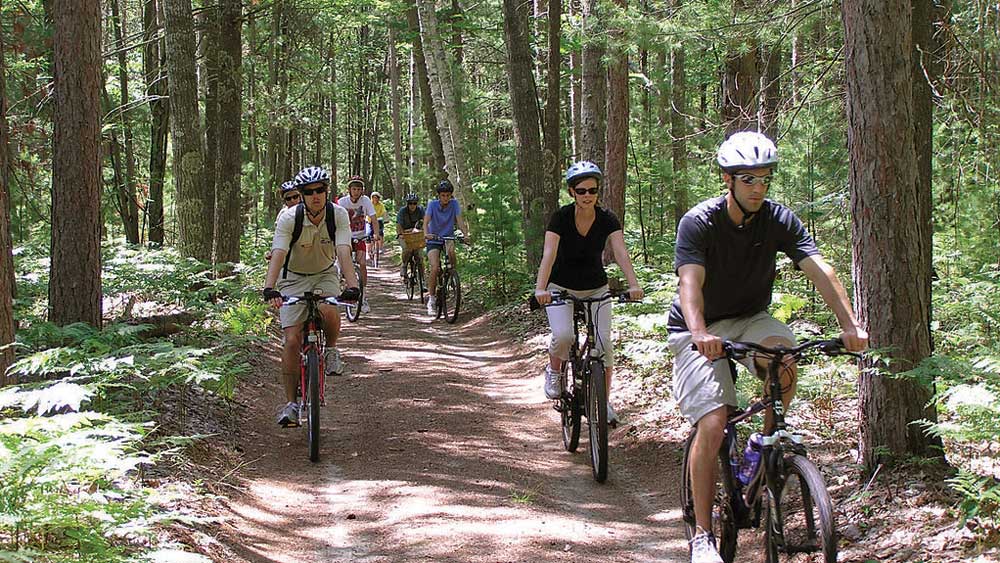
(786, 486)
(449, 286)
(582, 380)
(353, 310)
(413, 275)
(312, 373)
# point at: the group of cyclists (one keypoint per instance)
(725, 258)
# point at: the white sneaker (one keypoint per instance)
(331, 357)
(552, 390)
(431, 305)
(364, 306)
(289, 415)
(703, 549)
(612, 416)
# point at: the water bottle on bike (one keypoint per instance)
(751, 459)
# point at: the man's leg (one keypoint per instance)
(434, 256)
(404, 263)
(290, 355)
(359, 256)
(704, 464)
(788, 374)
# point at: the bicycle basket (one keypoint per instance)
(413, 241)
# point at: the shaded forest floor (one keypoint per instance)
(439, 446)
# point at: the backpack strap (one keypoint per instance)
(331, 224)
(300, 213)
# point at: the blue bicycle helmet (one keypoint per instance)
(288, 186)
(412, 198)
(582, 170)
(312, 175)
(445, 186)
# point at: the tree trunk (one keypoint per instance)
(767, 121)
(209, 17)
(445, 104)
(332, 58)
(615, 156)
(130, 212)
(154, 63)
(426, 98)
(193, 202)
(575, 93)
(891, 269)
(75, 279)
(594, 90)
(228, 211)
(524, 107)
(925, 71)
(397, 134)
(740, 82)
(277, 135)
(551, 127)
(678, 131)
(7, 285)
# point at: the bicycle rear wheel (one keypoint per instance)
(452, 297)
(312, 402)
(723, 520)
(597, 419)
(353, 311)
(800, 524)
(420, 282)
(571, 411)
(410, 278)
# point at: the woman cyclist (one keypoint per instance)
(572, 262)
(378, 230)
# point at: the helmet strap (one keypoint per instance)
(747, 215)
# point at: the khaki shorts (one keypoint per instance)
(701, 385)
(297, 285)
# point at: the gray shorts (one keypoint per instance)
(297, 285)
(700, 385)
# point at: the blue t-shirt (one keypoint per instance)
(740, 264)
(441, 220)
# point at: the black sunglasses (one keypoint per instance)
(292, 197)
(307, 191)
(591, 191)
(750, 179)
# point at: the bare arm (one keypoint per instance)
(692, 300)
(273, 269)
(825, 279)
(549, 250)
(625, 263)
(347, 265)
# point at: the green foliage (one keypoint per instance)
(980, 498)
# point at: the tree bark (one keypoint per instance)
(209, 17)
(426, 98)
(594, 88)
(7, 285)
(615, 156)
(891, 270)
(524, 107)
(228, 211)
(75, 281)
(771, 58)
(397, 134)
(129, 211)
(740, 83)
(575, 93)
(154, 64)
(446, 104)
(193, 201)
(332, 58)
(551, 126)
(678, 131)
(277, 134)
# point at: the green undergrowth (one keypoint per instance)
(82, 426)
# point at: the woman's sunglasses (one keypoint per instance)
(750, 179)
(591, 191)
(292, 197)
(306, 191)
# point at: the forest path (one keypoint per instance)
(439, 446)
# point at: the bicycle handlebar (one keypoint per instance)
(736, 350)
(564, 297)
(332, 300)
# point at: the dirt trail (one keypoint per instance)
(439, 446)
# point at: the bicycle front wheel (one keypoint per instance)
(597, 419)
(452, 297)
(800, 525)
(353, 311)
(723, 525)
(571, 411)
(410, 278)
(312, 402)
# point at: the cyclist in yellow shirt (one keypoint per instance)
(378, 230)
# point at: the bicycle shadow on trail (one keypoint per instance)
(439, 447)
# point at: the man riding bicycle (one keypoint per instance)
(306, 263)
(410, 219)
(726, 263)
(362, 213)
(442, 216)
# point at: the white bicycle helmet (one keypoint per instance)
(747, 149)
(312, 175)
